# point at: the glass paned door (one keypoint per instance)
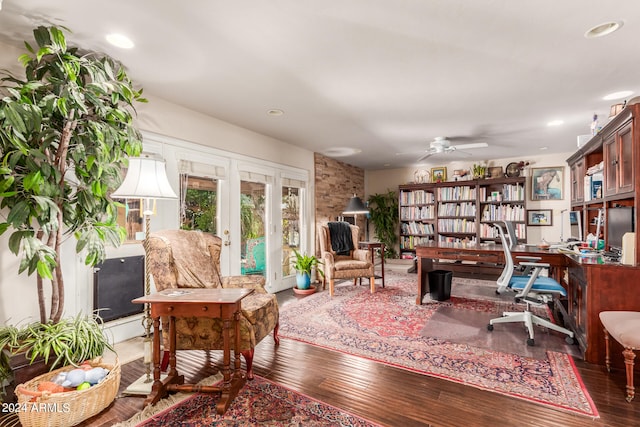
(198, 205)
(290, 228)
(252, 228)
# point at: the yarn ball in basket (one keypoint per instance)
(76, 377)
(50, 386)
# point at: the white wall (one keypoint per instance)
(383, 180)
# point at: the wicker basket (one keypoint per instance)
(40, 409)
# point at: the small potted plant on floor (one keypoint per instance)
(304, 265)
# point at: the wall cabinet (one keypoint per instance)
(577, 181)
(617, 149)
(618, 160)
(459, 211)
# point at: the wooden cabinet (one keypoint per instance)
(459, 211)
(577, 181)
(594, 286)
(618, 160)
(615, 153)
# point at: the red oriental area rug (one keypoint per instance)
(259, 403)
(388, 327)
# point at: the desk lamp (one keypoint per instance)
(146, 179)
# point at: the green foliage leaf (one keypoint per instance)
(19, 214)
(32, 180)
(58, 38)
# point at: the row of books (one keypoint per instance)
(409, 213)
(510, 193)
(416, 197)
(456, 226)
(451, 239)
(417, 228)
(488, 231)
(410, 242)
(457, 193)
(503, 213)
(457, 209)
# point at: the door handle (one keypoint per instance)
(227, 242)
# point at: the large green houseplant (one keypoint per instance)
(383, 213)
(66, 130)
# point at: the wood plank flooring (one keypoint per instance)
(392, 396)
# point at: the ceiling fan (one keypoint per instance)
(441, 144)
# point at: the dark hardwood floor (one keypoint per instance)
(388, 395)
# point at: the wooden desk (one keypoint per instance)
(372, 246)
(214, 303)
(489, 253)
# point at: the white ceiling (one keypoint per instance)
(380, 76)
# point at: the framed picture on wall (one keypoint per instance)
(539, 217)
(547, 183)
(439, 174)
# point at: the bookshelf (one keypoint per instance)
(459, 211)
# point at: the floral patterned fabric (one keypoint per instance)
(191, 259)
(357, 264)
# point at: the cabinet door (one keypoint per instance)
(625, 160)
(610, 166)
(577, 181)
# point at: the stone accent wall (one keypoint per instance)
(335, 183)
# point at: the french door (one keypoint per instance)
(258, 212)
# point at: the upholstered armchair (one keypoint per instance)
(191, 259)
(354, 263)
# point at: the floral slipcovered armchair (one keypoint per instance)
(191, 259)
(355, 264)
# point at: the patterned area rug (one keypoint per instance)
(388, 326)
(259, 403)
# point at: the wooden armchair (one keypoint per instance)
(191, 259)
(355, 264)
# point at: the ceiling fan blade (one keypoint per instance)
(427, 155)
(471, 146)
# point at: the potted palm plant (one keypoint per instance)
(304, 266)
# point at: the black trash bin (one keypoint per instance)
(440, 284)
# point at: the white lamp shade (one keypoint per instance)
(146, 179)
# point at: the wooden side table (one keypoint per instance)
(221, 304)
(372, 246)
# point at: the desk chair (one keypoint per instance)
(533, 290)
(508, 238)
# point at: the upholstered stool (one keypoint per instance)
(624, 327)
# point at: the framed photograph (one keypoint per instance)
(547, 183)
(496, 172)
(439, 174)
(539, 217)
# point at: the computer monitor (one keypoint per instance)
(618, 222)
(575, 220)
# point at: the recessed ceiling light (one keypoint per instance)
(341, 151)
(275, 112)
(603, 29)
(555, 123)
(618, 95)
(120, 40)
(544, 148)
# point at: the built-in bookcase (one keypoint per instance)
(459, 211)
